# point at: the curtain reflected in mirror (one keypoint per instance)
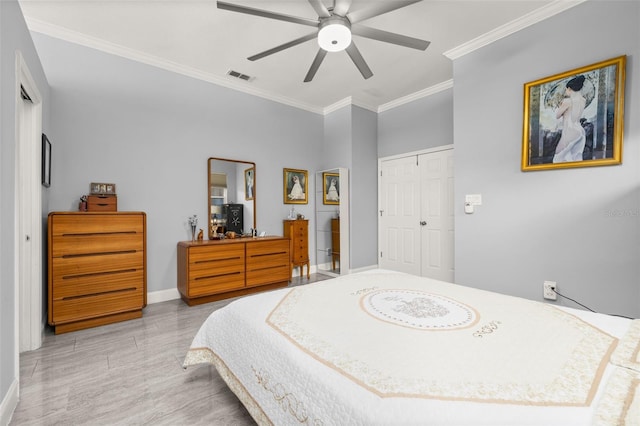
(231, 201)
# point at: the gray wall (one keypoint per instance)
(13, 36)
(580, 226)
(364, 189)
(422, 124)
(350, 141)
(150, 132)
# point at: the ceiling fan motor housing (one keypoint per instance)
(334, 34)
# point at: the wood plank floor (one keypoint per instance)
(129, 373)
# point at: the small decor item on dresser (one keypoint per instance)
(98, 188)
(193, 222)
(201, 235)
(102, 203)
(83, 204)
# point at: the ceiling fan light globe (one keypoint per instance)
(334, 37)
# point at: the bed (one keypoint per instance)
(387, 348)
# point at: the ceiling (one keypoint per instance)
(195, 38)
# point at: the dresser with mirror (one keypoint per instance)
(233, 261)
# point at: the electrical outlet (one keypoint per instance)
(548, 290)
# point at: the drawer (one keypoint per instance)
(206, 254)
(210, 267)
(102, 203)
(78, 308)
(78, 244)
(89, 223)
(268, 274)
(260, 248)
(73, 266)
(216, 282)
(108, 282)
(266, 261)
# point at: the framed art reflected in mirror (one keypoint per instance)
(331, 188)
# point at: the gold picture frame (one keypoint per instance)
(331, 188)
(575, 118)
(296, 186)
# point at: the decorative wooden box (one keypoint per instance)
(102, 203)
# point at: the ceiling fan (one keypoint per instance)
(335, 25)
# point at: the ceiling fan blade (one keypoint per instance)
(315, 65)
(387, 37)
(283, 46)
(267, 14)
(357, 59)
(378, 9)
(320, 8)
(341, 7)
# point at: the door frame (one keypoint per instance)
(396, 157)
(28, 137)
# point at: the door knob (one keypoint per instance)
(423, 223)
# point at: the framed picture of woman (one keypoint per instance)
(296, 186)
(575, 119)
(330, 188)
(249, 176)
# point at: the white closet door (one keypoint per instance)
(399, 224)
(437, 238)
(416, 223)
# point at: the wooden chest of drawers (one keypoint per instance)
(218, 269)
(96, 268)
(298, 231)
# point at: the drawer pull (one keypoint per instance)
(224, 259)
(93, 234)
(216, 275)
(105, 253)
(102, 293)
(266, 267)
(269, 254)
(97, 274)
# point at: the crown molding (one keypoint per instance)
(415, 96)
(135, 55)
(509, 28)
(71, 36)
(336, 106)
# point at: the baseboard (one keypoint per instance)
(162, 295)
(172, 293)
(9, 403)
(364, 268)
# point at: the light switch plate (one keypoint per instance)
(473, 199)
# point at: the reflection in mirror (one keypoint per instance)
(332, 221)
(231, 201)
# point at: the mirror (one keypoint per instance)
(231, 198)
(332, 221)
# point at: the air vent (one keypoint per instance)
(239, 75)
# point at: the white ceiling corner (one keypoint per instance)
(401, 75)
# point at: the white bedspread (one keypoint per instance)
(393, 349)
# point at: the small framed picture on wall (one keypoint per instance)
(296, 186)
